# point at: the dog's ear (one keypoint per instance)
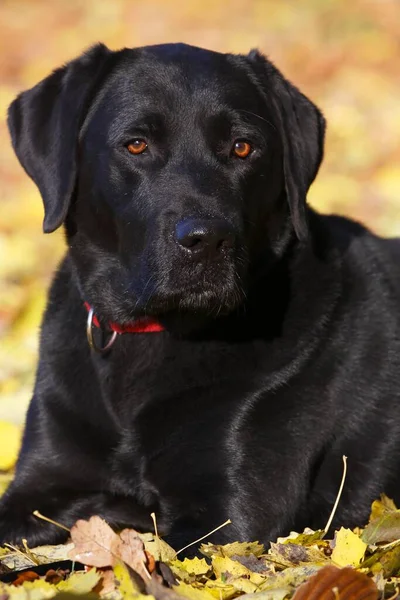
(302, 129)
(44, 124)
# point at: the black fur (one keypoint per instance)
(281, 352)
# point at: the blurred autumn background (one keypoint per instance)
(343, 54)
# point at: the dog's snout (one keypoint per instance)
(205, 236)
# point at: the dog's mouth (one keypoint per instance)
(204, 302)
(148, 290)
(196, 298)
(208, 293)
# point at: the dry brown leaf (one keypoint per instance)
(331, 583)
(93, 542)
(97, 545)
(130, 549)
(106, 585)
(150, 561)
(24, 577)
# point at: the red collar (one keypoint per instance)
(142, 325)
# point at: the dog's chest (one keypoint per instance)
(175, 403)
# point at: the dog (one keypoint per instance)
(211, 346)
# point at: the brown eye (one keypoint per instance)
(137, 146)
(241, 149)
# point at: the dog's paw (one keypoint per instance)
(16, 526)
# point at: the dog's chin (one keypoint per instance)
(210, 303)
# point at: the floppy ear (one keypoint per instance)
(302, 129)
(44, 123)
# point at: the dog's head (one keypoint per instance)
(176, 170)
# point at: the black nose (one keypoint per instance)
(205, 236)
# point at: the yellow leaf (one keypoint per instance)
(159, 549)
(193, 593)
(290, 555)
(290, 577)
(221, 590)
(381, 507)
(307, 538)
(242, 584)
(80, 582)
(384, 529)
(30, 590)
(222, 565)
(236, 548)
(190, 568)
(10, 441)
(49, 554)
(196, 566)
(349, 548)
(126, 586)
(231, 570)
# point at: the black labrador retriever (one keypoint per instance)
(239, 343)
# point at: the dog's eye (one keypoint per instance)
(137, 146)
(241, 149)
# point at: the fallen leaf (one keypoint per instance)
(384, 529)
(224, 566)
(349, 548)
(239, 548)
(97, 545)
(258, 565)
(180, 574)
(240, 584)
(385, 561)
(184, 589)
(107, 586)
(30, 590)
(24, 577)
(276, 594)
(93, 540)
(150, 562)
(338, 584)
(130, 549)
(221, 589)
(53, 576)
(196, 566)
(47, 554)
(16, 560)
(80, 582)
(290, 577)
(290, 555)
(159, 549)
(381, 507)
(41, 554)
(307, 538)
(189, 568)
(124, 582)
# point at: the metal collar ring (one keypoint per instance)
(90, 338)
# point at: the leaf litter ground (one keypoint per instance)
(99, 563)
